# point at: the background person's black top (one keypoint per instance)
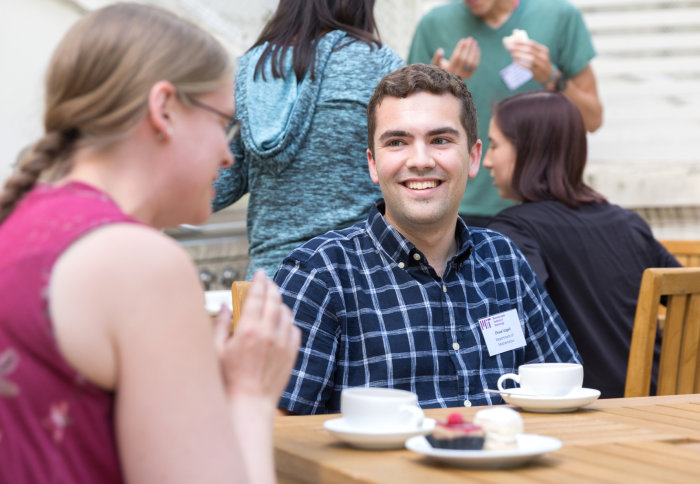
(591, 261)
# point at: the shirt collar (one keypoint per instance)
(401, 250)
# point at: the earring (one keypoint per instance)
(160, 136)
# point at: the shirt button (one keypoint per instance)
(444, 288)
(467, 403)
(401, 265)
(416, 256)
(455, 346)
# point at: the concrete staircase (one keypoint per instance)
(647, 154)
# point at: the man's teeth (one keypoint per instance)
(421, 185)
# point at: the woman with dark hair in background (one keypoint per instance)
(588, 253)
(301, 95)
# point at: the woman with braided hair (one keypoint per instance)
(109, 367)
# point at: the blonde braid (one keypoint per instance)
(49, 151)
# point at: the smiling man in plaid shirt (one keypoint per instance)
(413, 298)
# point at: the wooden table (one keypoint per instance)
(636, 440)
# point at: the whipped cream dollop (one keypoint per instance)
(501, 426)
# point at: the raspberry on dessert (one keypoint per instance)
(455, 418)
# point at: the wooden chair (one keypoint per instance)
(679, 366)
(686, 251)
(239, 290)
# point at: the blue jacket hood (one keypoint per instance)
(276, 114)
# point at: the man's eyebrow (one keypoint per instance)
(445, 130)
(397, 133)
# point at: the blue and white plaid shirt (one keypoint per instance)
(373, 313)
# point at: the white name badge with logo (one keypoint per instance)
(515, 76)
(502, 332)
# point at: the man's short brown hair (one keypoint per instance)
(423, 78)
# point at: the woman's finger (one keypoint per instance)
(439, 58)
(252, 306)
(271, 305)
(222, 327)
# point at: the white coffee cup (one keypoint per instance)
(546, 379)
(370, 408)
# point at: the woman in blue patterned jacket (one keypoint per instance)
(301, 96)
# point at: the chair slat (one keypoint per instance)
(686, 251)
(671, 346)
(678, 281)
(640, 361)
(690, 346)
(695, 304)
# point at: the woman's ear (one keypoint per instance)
(160, 104)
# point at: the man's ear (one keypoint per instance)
(474, 159)
(372, 167)
(160, 105)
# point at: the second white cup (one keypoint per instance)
(546, 379)
(369, 408)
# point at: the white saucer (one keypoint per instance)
(529, 447)
(380, 439)
(567, 403)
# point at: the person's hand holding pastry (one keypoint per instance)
(531, 55)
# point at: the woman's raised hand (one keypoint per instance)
(257, 360)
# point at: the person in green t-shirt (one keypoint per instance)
(466, 37)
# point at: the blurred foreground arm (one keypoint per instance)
(256, 363)
(136, 325)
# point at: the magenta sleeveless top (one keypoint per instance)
(54, 425)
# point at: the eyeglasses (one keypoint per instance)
(233, 125)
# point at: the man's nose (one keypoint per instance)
(421, 157)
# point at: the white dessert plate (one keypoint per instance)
(529, 447)
(379, 439)
(566, 403)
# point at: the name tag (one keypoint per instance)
(515, 76)
(502, 332)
